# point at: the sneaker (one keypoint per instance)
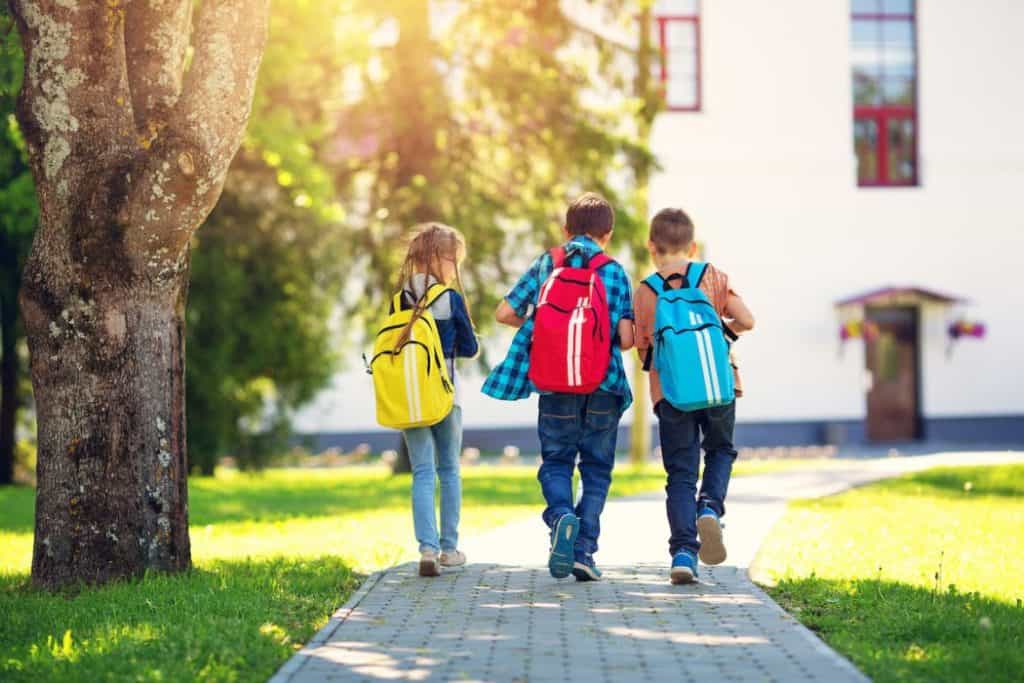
(684, 568)
(430, 564)
(709, 529)
(563, 545)
(453, 558)
(586, 571)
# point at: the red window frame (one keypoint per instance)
(662, 21)
(883, 114)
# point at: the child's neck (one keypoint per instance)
(671, 263)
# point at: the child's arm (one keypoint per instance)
(626, 334)
(466, 344)
(740, 318)
(507, 316)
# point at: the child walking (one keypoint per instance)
(574, 310)
(435, 253)
(694, 518)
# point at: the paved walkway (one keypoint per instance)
(503, 618)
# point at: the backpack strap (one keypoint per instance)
(655, 282)
(434, 292)
(695, 273)
(599, 260)
(557, 257)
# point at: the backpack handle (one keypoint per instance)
(432, 294)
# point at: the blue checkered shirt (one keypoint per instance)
(509, 380)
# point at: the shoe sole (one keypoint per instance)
(561, 559)
(429, 568)
(712, 548)
(453, 565)
(584, 573)
(681, 575)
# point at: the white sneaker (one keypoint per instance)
(453, 558)
(430, 565)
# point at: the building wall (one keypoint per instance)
(768, 174)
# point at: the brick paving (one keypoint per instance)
(503, 618)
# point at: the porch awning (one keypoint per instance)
(896, 296)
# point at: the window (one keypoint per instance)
(677, 26)
(883, 46)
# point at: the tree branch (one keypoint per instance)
(183, 175)
(156, 41)
(72, 48)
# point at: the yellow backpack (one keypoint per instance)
(411, 382)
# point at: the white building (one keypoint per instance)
(772, 100)
(826, 148)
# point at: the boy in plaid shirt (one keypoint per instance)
(572, 424)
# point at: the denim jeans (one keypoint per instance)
(443, 441)
(681, 442)
(587, 425)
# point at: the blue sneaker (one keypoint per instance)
(586, 570)
(709, 529)
(684, 567)
(563, 545)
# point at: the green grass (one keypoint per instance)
(913, 579)
(274, 555)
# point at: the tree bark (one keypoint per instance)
(129, 156)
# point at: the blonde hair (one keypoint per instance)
(430, 245)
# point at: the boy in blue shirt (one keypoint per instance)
(571, 424)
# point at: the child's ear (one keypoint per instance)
(691, 252)
(604, 241)
(565, 232)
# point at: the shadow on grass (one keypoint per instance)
(225, 621)
(280, 495)
(896, 632)
(958, 482)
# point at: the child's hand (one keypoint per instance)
(627, 334)
(507, 316)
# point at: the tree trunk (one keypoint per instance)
(109, 386)
(129, 154)
(640, 433)
(8, 374)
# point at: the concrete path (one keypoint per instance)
(503, 618)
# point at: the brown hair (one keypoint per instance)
(430, 244)
(590, 214)
(671, 231)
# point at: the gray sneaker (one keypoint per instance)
(453, 558)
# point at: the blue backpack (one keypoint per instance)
(691, 353)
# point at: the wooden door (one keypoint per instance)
(892, 359)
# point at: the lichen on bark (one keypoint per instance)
(129, 153)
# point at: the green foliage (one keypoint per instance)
(18, 216)
(265, 279)
(481, 115)
(914, 579)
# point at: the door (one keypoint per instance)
(892, 360)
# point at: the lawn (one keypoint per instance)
(914, 579)
(274, 555)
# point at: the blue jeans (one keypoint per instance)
(443, 441)
(587, 425)
(680, 453)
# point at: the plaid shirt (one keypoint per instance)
(508, 381)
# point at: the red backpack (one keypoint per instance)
(571, 328)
